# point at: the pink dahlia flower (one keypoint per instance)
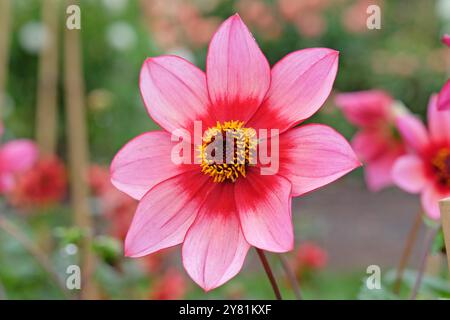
(377, 142)
(218, 210)
(444, 96)
(446, 39)
(426, 169)
(16, 157)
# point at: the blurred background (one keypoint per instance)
(341, 229)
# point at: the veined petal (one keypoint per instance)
(215, 248)
(17, 156)
(162, 219)
(413, 132)
(313, 155)
(438, 121)
(264, 206)
(144, 162)
(430, 201)
(409, 173)
(365, 108)
(444, 97)
(238, 73)
(174, 92)
(301, 82)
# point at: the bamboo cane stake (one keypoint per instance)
(78, 153)
(5, 26)
(445, 218)
(47, 98)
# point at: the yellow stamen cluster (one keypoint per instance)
(238, 150)
(441, 165)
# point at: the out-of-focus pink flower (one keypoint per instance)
(171, 286)
(426, 168)
(446, 39)
(309, 257)
(377, 142)
(443, 99)
(219, 210)
(16, 157)
(42, 185)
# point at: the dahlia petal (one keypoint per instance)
(413, 132)
(438, 121)
(174, 92)
(409, 173)
(238, 73)
(365, 108)
(446, 39)
(301, 82)
(430, 201)
(378, 171)
(313, 155)
(370, 144)
(162, 220)
(17, 156)
(264, 206)
(215, 248)
(444, 97)
(144, 162)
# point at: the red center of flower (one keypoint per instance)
(227, 150)
(441, 166)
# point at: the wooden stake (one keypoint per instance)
(78, 153)
(47, 98)
(445, 218)
(5, 29)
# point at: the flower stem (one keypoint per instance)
(431, 234)
(291, 276)
(269, 273)
(37, 254)
(412, 235)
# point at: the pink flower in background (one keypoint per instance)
(16, 157)
(171, 286)
(446, 39)
(42, 185)
(426, 168)
(217, 211)
(443, 99)
(444, 96)
(309, 256)
(377, 142)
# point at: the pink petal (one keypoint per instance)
(444, 97)
(238, 74)
(413, 132)
(301, 82)
(162, 219)
(215, 248)
(378, 172)
(174, 92)
(365, 108)
(430, 201)
(264, 206)
(446, 39)
(17, 156)
(438, 122)
(409, 173)
(370, 144)
(144, 162)
(314, 155)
